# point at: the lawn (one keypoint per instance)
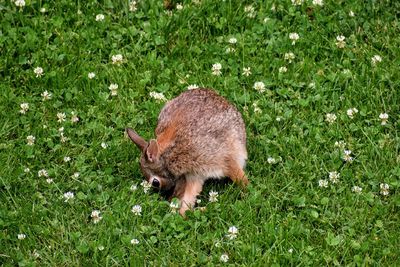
(317, 82)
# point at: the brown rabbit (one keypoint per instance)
(199, 135)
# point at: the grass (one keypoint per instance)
(284, 217)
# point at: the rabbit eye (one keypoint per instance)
(155, 183)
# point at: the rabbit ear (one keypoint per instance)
(139, 141)
(152, 151)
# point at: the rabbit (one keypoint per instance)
(199, 135)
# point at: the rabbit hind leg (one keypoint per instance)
(235, 172)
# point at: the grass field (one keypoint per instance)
(317, 82)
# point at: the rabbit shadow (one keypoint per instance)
(220, 185)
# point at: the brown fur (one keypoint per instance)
(152, 151)
(199, 135)
(235, 172)
(166, 138)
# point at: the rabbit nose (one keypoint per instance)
(155, 183)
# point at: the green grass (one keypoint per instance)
(284, 217)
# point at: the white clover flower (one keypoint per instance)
(146, 186)
(290, 250)
(202, 209)
(297, 2)
(24, 108)
(249, 10)
(133, 187)
(311, 85)
(104, 145)
(259, 86)
(43, 10)
(135, 241)
(95, 215)
(384, 117)
(68, 196)
(294, 37)
(340, 41)
(323, 183)
(174, 206)
(282, 69)
(46, 95)
(334, 177)
(117, 59)
(35, 254)
(216, 69)
(289, 57)
(351, 13)
(133, 6)
(91, 75)
(192, 86)
(213, 196)
(346, 72)
(330, 117)
(113, 88)
(351, 112)
(224, 258)
(30, 140)
(384, 189)
(271, 160)
(346, 156)
(76, 175)
(278, 118)
(43, 172)
(74, 117)
(21, 236)
(246, 72)
(318, 2)
(63, 138)
(100, 17)
(61, 117)
(232, 40)
(38, 71)
(179, 6)
(67, 159)
(340, 144)
(137, 210)
(101, 248)
(230, 50)
(49, 180)
(356, 189)
(376, 59)
(158, 96)
(27, 170)
(232, 232)
(19, 3)
(256, 108)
